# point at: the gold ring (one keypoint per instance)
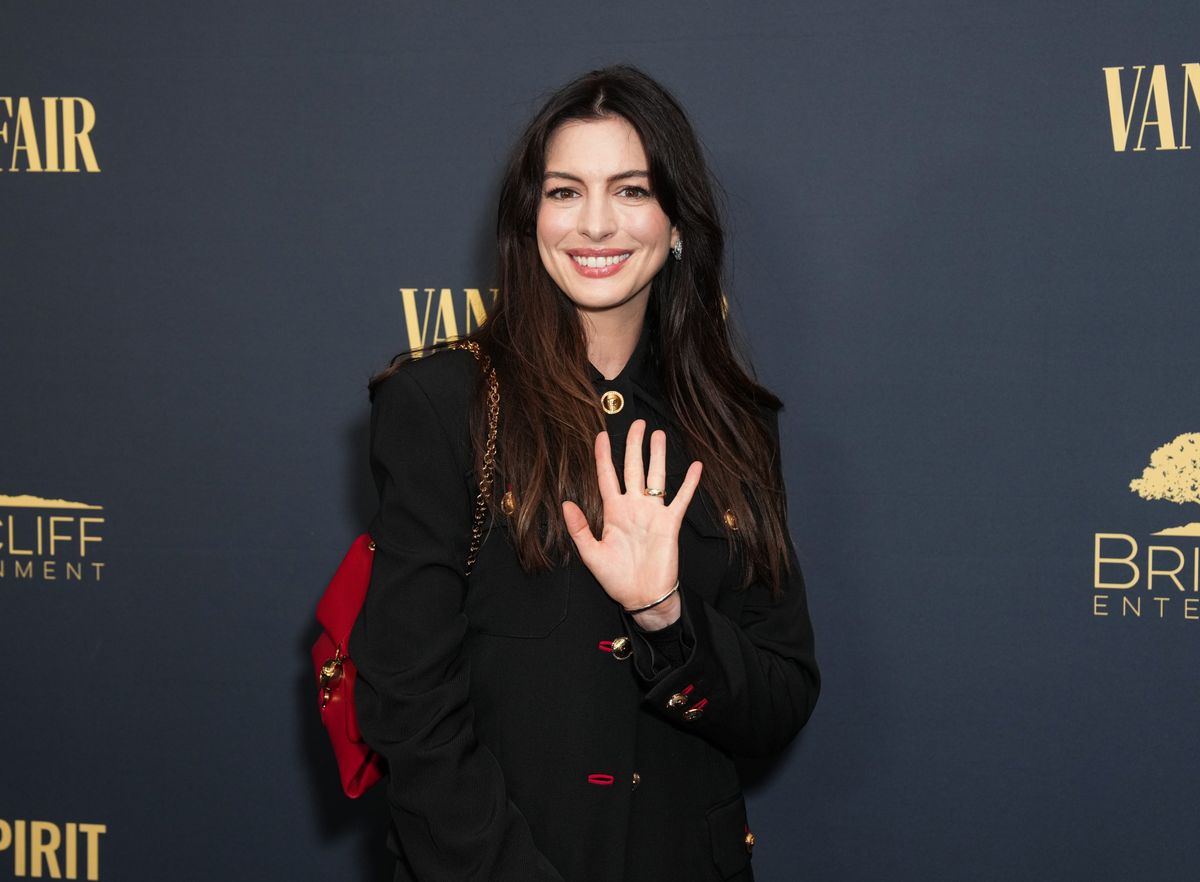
(653, 491)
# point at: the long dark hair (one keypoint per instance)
(550, 414)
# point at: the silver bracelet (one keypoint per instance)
(656, 602)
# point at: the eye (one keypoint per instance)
(555, 193)
(635, 192)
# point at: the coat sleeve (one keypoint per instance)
(746, 680)
(446, 792)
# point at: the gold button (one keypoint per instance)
(677, 700)
(637, 779)
(612, 401)
(693, 713)
(730, 519)
(749, 841)
(508, 504)
(622, 648)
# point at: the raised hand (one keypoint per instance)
(636, 559)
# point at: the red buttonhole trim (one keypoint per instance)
(605, 645)
(699, 704)
(601, 780)
(687, 690)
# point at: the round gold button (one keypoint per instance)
(622, 648)
(637, 779)
(693, 713)
(749, 841)
(730, 519)
(677, 700)
(612, 401)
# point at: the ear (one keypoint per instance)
(675, 237)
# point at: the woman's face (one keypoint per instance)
(600, 231)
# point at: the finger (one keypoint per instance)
(656, 475)
(635, 472)
(683, 496)
(606, 472)
(579, 530)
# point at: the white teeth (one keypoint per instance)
(595, 262)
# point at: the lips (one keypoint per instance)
(598, 262)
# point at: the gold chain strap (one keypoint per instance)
(489, 452)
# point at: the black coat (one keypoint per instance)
(520, 745)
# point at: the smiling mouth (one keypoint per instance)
(600, 262)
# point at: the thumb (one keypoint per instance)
(577, 527)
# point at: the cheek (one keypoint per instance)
(650, 228)
(551, 226)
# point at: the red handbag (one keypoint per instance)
(358, 764)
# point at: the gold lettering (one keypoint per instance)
(74, 571)
(72, 860)
(50, 121)
(6, 100)
(84, 538)
(5, 836)
(445, 317)
(1162, 602)
(416, 339)
(93, 832)
(25, 138)
(475, 307)
(12, 540)
(1191, 81)
(56, 537)
(41, 847)
(1127, 561)
(1151, 572)
(1162, 111)
(1128, 604)
(23, 569)
(48, 572)
(19, 849)
(1099, 604)
(1121, 121)
(96, 568)
(78, 137)
(1191, 608)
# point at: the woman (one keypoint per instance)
(569, 711)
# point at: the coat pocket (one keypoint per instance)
(504, 601)
(728, 829)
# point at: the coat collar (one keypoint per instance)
(641, 369)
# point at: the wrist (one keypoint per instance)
(661, 616)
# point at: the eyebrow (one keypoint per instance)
(633, 173)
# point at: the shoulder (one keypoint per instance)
(442, 380)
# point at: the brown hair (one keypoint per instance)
(550, 414)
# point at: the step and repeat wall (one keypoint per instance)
(964, 252)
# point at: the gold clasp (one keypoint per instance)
(331, 675)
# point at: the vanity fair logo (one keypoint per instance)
(1144, 98)
(41, 849)
(49, 540)
(432, 315)
(1154, 578)
(46, 134)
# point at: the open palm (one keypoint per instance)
(636, 559)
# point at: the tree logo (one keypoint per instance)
(1173, 474)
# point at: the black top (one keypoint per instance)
(521, 745)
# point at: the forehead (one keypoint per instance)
(595, 148)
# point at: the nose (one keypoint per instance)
(597, 219)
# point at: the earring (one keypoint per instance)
(677, 250)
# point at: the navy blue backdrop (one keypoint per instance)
(964, 253)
